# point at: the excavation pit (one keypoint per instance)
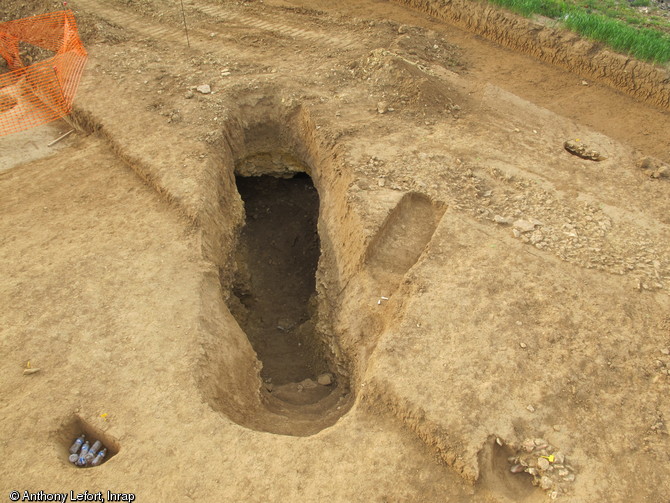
(77, 426)
(277, 356)
(272, 359)
(496, 476)
(277, 258)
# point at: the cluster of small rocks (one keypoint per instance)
(402, 84)
(383, 107)
(547, 465)
(654, 168)
(578, 232)
(324, 379)
(575, 147)
(583, 235)
(662, 4)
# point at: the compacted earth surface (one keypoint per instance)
(333, 251)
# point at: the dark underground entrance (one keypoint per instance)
(274, 292)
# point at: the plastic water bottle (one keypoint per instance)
(93, 451)
(82, 455)
(74, 458)
(74, 448)
(98, 459)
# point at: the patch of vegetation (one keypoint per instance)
(618, 25)
(643, 43)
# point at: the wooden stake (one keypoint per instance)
(60, 138)
(185, 27)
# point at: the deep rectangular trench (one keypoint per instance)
(277, 258)
(271, 358)
(286, 255)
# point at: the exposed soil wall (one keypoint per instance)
(568, 50)
(265, 138)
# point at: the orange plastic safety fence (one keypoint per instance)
(44, 91)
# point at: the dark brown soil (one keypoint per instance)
(278, 254)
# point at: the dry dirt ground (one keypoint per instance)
(361, 266)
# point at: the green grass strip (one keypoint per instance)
(642, 43)
(550, 8)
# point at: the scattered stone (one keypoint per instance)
(575, 147)
(382, 107)
(659, 426)
(189, 94)
(557, 427)
(665, 351)
(285, 324)
(502, 220)
(662, 172)
(402, 29)
(545, 482)
(307, 384)
(27, 372)
(584, 83)
(543, 463)
(530, 408)
(174, 117)
(528, 445)
(204, 89)
(523, 345)
(325, 379)
(654, 167)
(524, 225)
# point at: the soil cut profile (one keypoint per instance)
(285, 364)
(277, 257)
(402, 239)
